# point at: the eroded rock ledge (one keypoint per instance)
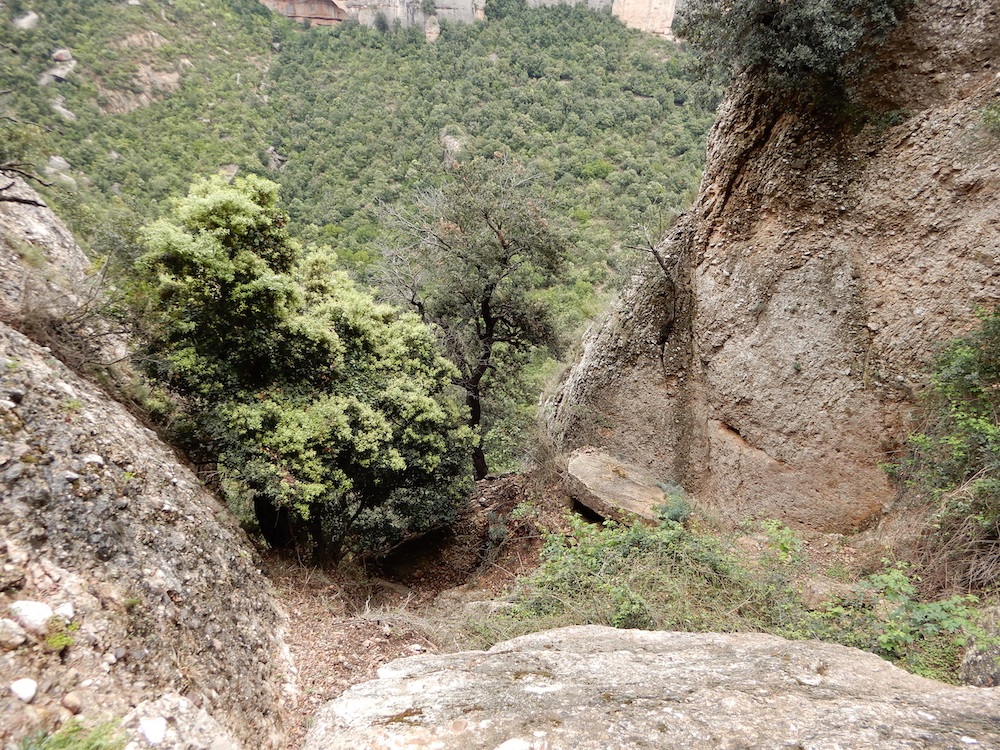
(592, 687)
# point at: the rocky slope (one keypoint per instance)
(595, 687)
(773, 369)
(126, 590)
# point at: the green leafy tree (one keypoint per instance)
(331, 412)
(473, 258)
(816, 45)
(497, 9)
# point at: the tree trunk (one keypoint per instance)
(275, 523)
(479, 466)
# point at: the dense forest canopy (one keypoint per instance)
(162, 92)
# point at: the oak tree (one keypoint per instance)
(472, 258)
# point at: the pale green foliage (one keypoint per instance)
(330, 411)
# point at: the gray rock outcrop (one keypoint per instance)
(150, 588)
(772, 370)
(590, 688)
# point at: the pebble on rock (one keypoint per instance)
(12, 635)
(154, 729)
(72, 702)
(24, 689)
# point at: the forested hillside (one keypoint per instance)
(608, 114)
(138, 100)
(153, 95)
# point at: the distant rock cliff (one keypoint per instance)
(775, 367)
(654, 16)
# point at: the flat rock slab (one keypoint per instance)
(611, 488)
(591, 687)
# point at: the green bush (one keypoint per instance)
(672, 578)
(991, 117)
(817, 46)
(954, 460)
(331, 413)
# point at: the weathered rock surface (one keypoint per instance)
(981, 664)
(151, 586)
(773, 370)
(610, 488)
(595, 687)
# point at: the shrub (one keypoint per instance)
(672, 578)
(954, 460)
(332, 414)
(821, 46)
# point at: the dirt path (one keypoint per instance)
(333, 648)
(344, 625)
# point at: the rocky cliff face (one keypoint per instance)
(126, 590)
(774, 367)
(654, 16)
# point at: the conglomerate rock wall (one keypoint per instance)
(127, 591)
(774, 367)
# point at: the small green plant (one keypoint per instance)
(524, 511)
(72, 405)
(991, 117)
(74, 736)
(497, 529)
(783, 543)
(675, 506)
(59, 635)
(953, 465)
(886, 617)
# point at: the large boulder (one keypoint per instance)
(772, 370)
(612, 488)
(594, 687)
